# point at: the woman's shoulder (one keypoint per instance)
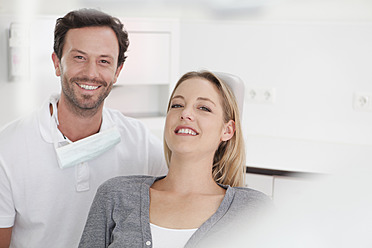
(251, 196)
(126, 183)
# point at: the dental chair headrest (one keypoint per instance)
(236, 85)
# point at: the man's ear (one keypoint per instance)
(229, 130)
(117, 73)
(57, 64)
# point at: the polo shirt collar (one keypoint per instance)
(48, 123)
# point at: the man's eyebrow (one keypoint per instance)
(78, 51)
(106, 56)
(82, 52)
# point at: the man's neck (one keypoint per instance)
(76, 127)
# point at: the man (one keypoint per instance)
(52, 161)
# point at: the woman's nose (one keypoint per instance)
(187, 115)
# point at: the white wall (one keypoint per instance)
(314, 67)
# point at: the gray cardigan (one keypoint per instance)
(119, 215)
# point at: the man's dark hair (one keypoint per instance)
(89, 18)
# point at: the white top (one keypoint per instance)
(48, 206)
(170, 238)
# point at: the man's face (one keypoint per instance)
(88, 67)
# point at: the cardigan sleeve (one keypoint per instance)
(99, 225)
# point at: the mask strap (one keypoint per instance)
(54, 127)
(55, 112)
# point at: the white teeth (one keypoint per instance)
(186, 131)
(88, 87)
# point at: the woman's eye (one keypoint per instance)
(205, 109)
(176, 106)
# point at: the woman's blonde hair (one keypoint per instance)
(229, 158)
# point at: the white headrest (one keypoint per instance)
(237, 87)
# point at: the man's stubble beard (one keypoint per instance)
(86, 106)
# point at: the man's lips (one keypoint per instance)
(87, 83)
(88, 87)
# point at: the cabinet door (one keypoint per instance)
(148, 59)
(263, 183)
(288, 190)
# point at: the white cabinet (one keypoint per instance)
(263, 183)
(282, 188)
(148, 60)
(290, 189)
(150, 70)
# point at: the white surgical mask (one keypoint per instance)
(88, 148)
(74, 153)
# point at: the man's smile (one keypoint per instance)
(88, 87)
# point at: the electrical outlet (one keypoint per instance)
(260, 95)
(362, 101)
(268, 95)
(251, 95)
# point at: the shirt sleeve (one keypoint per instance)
(7, 209)
(99, 225)
(157, 164)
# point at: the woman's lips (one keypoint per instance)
(186, 130)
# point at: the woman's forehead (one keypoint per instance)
(198, 87)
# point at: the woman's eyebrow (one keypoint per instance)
(199, 99)
(206, 99)
(178, 96)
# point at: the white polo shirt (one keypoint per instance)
(48, 206)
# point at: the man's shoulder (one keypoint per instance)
(27, 123)
(123, 121)
(18, 127)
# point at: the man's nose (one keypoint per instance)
(91, 69)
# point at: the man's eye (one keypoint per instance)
(105, 62)
(79, 57)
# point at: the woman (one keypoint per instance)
(202, 191)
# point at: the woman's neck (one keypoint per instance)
(188, 175)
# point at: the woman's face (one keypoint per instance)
(194, 123)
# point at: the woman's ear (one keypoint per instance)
(229, 130)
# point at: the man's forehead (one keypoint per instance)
(98, 40)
